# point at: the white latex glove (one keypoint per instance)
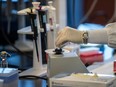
(69, 34)
(111, 31)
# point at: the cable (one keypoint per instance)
(9, 15)
(6, 38)
(33, 77)
(114, 14)
(89, 12)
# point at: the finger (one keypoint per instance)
(60, 43)
(63, 44)
(59, 36)
(60, 40)
(60, 31)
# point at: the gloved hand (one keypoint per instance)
(69, 34)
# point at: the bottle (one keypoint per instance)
(4, 55)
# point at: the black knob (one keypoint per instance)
(58, 51)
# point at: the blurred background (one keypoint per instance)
(79, 14)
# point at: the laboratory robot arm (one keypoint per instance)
(107, 35)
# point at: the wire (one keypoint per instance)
(9, 15)
(114, 14)
(89, 12)
(6, 38)
(33, 77)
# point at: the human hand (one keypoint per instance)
(69, 34)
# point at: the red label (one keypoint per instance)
(114, 67)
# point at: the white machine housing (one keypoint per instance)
(84, 80)
(9, 76)
(65, 63)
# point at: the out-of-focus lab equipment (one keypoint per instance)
(8, 76)
(4, 56)
(38, 16)
(58, 59)
(83, 80)
(63, 66)
(62, 63)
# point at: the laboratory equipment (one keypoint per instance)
(9, 77)
(38, 20)
(66, 62)
(1, 82)
(83, 80)
(4, 55)
(89, 57)
(52, 20)
(38, 68)
(114, 67)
